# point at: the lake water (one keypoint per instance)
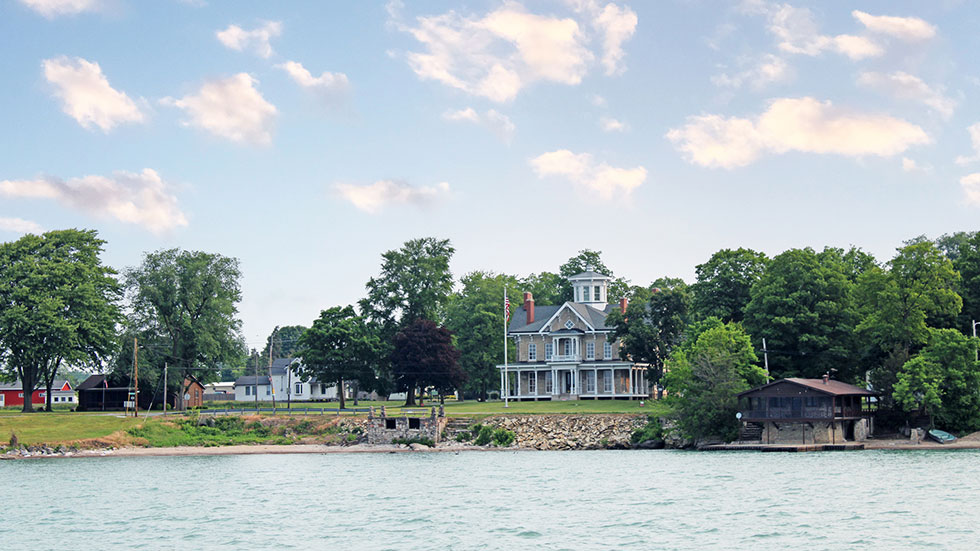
(500, 500)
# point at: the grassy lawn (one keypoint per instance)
(473, 407)
(56, 427)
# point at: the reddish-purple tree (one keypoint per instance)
(424, 356)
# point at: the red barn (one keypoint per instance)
(12, 394)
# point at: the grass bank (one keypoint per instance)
(53, 428)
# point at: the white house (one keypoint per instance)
(287, 383)
(567, 352)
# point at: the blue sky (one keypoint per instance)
(306, 138)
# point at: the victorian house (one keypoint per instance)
(567, 352)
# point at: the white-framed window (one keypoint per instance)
(567, 349)
(607, 350)
(298, 388)
(607, 381)
(549, 384)
(20, 394)
(248, 391)
(590, 381)
(598, 296)
(532, 352)
(585, 295)
(548, 350)
(268, 390)
(569, 324)
(590, 351)
(71, 398)
(531, 382)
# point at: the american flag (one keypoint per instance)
(506, 306)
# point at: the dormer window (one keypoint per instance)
(569, 324)
(585, 294)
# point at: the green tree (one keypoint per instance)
(704, 378)
(424, 356)
(414, 283)
(184, 311)
(476, 317)
(951, 243)
(943, 381)
(283, 342)
(650, 330)
(967, 263)
(58, 307)
(724, 283)
(340, 346)
(546, 287)
(803, 306)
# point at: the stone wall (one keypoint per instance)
(570, 432)
(774, 432)
(383, 430)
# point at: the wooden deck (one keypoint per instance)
(752, 446)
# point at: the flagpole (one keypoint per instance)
(506, 374)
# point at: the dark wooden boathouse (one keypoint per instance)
(806, 411)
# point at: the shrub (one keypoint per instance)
(417, 440)
(503, 437)
(484, 434)
(651, 431)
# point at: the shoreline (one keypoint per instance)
(295, 449)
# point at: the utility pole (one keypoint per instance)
(976, 350)
(256, 383)
(165, 388)
(765, 355)
(272, 386)
(136, 379)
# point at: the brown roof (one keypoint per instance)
(832, 387)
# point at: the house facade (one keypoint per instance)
(806, 411)
(12, 394)
(567, 352)
(285, 381)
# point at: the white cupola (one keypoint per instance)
(590, 288)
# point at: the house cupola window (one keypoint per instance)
(591, 288)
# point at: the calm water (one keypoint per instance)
(506, 500)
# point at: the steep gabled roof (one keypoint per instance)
(252, 380)
(592, 316)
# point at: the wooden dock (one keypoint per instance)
(759, 447)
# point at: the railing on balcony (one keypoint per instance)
(566, 358)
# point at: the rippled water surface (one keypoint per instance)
(501, 500)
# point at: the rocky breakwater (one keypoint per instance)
(570, 432)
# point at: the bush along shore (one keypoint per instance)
(528, 432)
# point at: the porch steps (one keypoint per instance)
(751, 432)
(456, 425)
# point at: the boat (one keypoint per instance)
(940, 436)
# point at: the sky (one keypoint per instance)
(307, 138)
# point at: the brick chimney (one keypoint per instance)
(529, 307)
(622, 305)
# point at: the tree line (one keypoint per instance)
(901, 325)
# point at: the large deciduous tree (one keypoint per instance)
(424, 356)
(724, 283)
(650, 330)
(58, 306)
(943, 381)
(339, 347)
(184, 308)
(967, 263)
(803, 307)
(476, 317)
(704, 377)
(414, 283)
(283, 342)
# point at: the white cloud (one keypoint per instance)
(598, 100)
(141, 198)
(496, 55)
(496, 122)
(974, 130)
(793, 124)
(768, 69)
(373, 198)
(906, 28)
(54, 8)
(909, 87)
(910, 165)
(609, 124)
(798, 33)
(971, 188)
(329, 86)
(19, 225)
(86, 95)
(231, 108)
(257, 40)
(608, 182)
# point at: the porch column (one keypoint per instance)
(595, 380)
(632, 388)
(518, 382)
(501, 383)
